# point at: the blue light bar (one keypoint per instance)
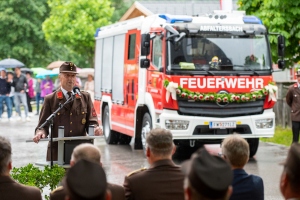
(97, 31)
(251, 20)
(176, 18)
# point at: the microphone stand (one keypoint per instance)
(49, 120)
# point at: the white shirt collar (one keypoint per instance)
(65, 92)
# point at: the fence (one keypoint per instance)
(281, 109)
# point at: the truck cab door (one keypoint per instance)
(156, 71)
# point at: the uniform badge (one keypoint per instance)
(77, 96)
(59, 95)
(83, 121)
(94, 112)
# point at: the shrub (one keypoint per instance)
(34, 176)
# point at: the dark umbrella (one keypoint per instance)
(25, 70)
(11, 63)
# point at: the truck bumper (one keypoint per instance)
(195, 122)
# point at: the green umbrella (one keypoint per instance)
(37, 70)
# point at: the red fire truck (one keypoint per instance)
(200, 77)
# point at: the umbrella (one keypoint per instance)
(11, 63)
(84, 72)
(55, 64)
(25, 70)
(37, 70)
(45, 73)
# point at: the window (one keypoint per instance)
(131, 47)
(157, 52)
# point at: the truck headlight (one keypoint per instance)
(264, 123)
(176, 124)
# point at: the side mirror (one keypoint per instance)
(280, 45)
(280, 64)
(145, 44)
(145, 63)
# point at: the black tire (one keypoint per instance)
(124, 139)
(146, 127)
(111, 137)
(253, 146)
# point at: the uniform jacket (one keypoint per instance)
(10, 189)
(293, 100)
(75, 116)
(117, 192)
(162, 181)
(246, 186)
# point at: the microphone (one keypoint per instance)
(76, 90)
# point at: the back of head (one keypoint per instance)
(85, 181)
(208, 176)
(292, 167)
(86, 151)
(5, 154)
(236, 150)
(160, 142)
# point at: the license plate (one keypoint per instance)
(222, 124)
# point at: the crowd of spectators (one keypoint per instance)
(203, 177)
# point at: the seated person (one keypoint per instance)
(251, 60)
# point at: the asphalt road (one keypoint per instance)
(119, 160)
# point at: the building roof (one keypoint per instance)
(200, 7)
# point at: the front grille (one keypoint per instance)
(211, 109)
(205, 130)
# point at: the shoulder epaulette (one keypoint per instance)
(59, 188)
(136, 171)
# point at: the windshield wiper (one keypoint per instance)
(247, 69)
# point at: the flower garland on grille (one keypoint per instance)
(173, 88)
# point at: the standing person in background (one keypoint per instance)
(38, 98)
(4, 95)
(29, 92)
(20, 83)
(89, 86)
(46, 86)
(293, 100)
(10, 76)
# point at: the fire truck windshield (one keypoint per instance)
(219, 52)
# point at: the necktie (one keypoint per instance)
(69, 94)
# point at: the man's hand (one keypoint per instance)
(39, 135)
(98, 131)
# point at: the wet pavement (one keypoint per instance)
(119, 160)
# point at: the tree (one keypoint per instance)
(21, 32)
(73, 23)
(279, 16)
(121, 7)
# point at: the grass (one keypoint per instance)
(282, 136)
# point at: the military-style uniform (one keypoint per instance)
(163, 181)
(10, 189)
(117, 192)
(293, 100)
(75, 116)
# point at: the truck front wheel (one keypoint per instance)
(253, 146)
(111, 137)
(146, 127)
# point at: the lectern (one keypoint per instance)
(66, 146)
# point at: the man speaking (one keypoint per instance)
(75, 116)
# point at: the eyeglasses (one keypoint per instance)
(69, 75)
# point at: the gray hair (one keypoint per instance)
(236, 150)
(86, 151)
(160, 142)
(5, 154)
